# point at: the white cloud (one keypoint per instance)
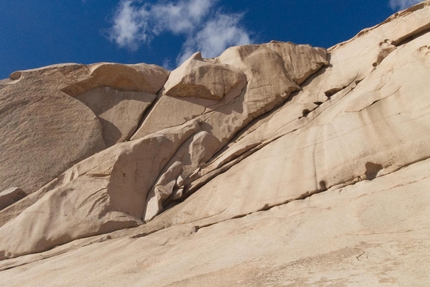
(130, 26)
(167, 64)
(205, 28)
(403, 4)
(181, 18)
(215, 36)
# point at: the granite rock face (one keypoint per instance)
(44, 131)
(10, 196)
(271, 165)
(197, 78)
(119, 112)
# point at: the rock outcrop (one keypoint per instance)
(197, 78)
(271, 165)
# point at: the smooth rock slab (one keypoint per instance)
(119, 112)
(101, 194)
(43, 131)
(367, 130)
(346, 236)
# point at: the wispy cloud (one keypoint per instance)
(206, 28)
(130, 26)
(402, 4)
(215, 36)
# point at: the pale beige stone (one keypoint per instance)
(119, 112)
(197, 78)
(299, 68)
(358, 134)
(10, 196)
(190, 157)
(201, 149)
(266, 75)
(43, 130)
(329, 188)
(48, 131)
(54, 77)
(139, 77)
(162, 190)
(373, 233)
(316, 93)
(98, 195)
(169, 112)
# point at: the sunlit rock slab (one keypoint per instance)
(374, 233)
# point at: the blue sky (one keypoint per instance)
(44, 32)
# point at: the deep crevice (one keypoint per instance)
(412, 36)
(144, 116)
(372, 170)
(305, 113)
(330, 93)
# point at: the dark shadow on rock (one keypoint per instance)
(372, 170)
(111, 133)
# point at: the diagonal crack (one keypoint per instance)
(306, 195)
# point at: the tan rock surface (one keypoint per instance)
(314, 147)
(329, 188)
(43, 130)
(98, 195)
(265, 75)
(10, 196)
(46, 131)
(189, 158)
(197, 78)
(313, 102)
(373, 233)
(240, 105)
(139, 77)
(119, 112)
(161, 191)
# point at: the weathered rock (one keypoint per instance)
(10, 196)
(326, 189)
(139, 77)
(373, 231)
(119, 112)
(201, 149)
(171, 111)
(44, 131)
(98, 195)
(162, 190)
(358, 134)
(189, 158)
(299, 68)
(40, 121)
(197, 78)
(268, 85)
